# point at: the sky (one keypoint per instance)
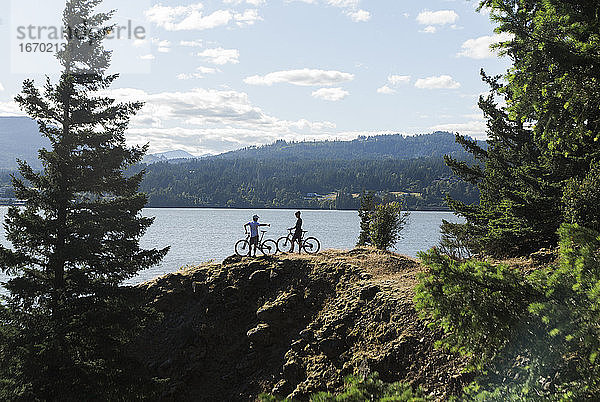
(219, 75)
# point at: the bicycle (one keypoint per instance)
(267, 247)
(311, 244)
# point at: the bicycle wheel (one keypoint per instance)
(242, 248)
(311, 245)
(284, 244)
(269, 247)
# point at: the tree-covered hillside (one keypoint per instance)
(322, 174)
(289, 183)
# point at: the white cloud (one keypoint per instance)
(148, 57)
(1, 87)
(220, 56)
(399, 79)
(350, 7)
(248, 17)
(207, 70)
(251, 2)
(214, 121)
(10, 108)
(429, 29)
(344, 3)
(441, 17)
(474, 128)
(163, 46)
(330, 94)
(201, 71)
(140, 42)
(386, 90)
(192, 43)
(189, 76)
(441, 82)
(393, 81)
(190, 17)
(359, 15)
(479, 48)
(304, 77)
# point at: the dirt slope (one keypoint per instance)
(292, 325)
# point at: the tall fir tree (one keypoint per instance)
(67, 321)
(546, 138)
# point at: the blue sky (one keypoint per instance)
(218, 75)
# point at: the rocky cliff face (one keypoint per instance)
(292, 325)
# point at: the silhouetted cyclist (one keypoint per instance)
(298, 233)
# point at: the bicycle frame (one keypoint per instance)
(266, 247)
(290, 235)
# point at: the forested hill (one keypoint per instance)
(281, 183)
(325, 174)
(394, 146)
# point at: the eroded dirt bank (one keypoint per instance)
(292, 325)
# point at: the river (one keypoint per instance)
(201, 235)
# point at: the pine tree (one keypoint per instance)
(547, 135)
(67, 319)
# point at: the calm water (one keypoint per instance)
(200, 235)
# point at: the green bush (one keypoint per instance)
(370, 388)
(380, 224)
(581, 198)
(457, 240)
(386, 225)
(529, 336)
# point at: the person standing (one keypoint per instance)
(253, 225)
(297, 233)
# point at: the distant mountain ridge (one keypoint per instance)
(167, 156)
(394, 146)
(20, 139)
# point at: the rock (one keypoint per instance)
(298, 345)
(232, 259)
(279, 309)
(292, 371)
(260, 335)
(332, 347)
(166, 365)
(260, 277)
(230, 293)
(254, 265)
(281, 388)
(307, 334)
(368, 293)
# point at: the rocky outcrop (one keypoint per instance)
(292, 325)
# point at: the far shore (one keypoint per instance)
(423, 209)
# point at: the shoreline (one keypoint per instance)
(425, 209)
